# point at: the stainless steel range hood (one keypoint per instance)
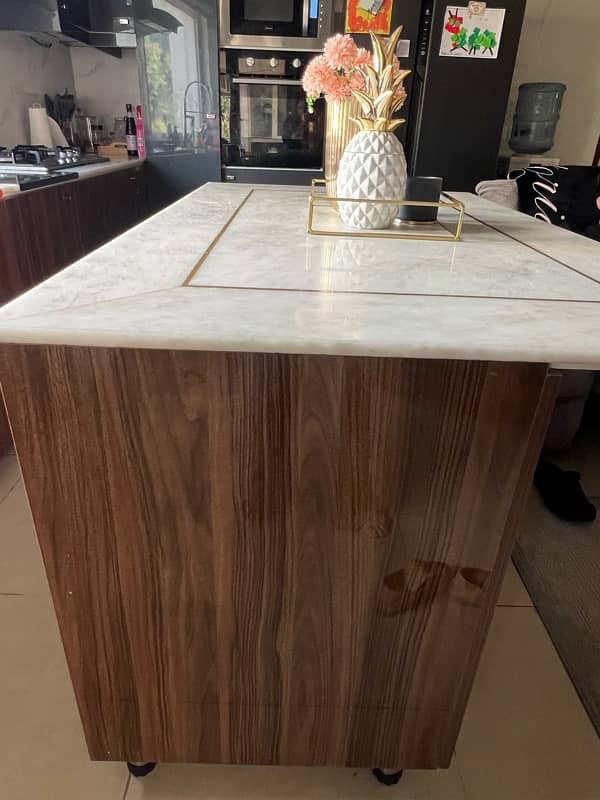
(106, 24)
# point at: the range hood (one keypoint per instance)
(106, 24)
(149, 19)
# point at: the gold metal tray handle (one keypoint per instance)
(319, 199)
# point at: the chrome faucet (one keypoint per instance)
(189, 116)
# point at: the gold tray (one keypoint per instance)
(324, 219)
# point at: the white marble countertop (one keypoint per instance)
(231, 267)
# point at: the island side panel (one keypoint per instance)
(5, 435)
(274, 559)
(536, 440)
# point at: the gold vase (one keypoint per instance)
(338, 131)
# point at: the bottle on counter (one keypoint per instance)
(139, 126)
(130, 133)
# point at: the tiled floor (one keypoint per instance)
(525, 735)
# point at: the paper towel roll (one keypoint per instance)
(58, 137)
(39, 126)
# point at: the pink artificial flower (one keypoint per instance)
(357, 82)
(334, 74)
(337, 88)
(363, 57)
(315, 76)
(400, 95)
(340, 51)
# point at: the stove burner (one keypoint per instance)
(36, 154)
(39, 159)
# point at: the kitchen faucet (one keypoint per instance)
(190, 115)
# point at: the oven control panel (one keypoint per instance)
(252, 65)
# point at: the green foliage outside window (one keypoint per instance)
(160, 86)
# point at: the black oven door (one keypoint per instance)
(269, 17)
(265, 123)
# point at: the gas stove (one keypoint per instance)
(38, 160)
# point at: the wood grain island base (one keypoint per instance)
(259, 558)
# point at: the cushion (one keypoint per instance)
(502, 192)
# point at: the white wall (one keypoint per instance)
(561, 42)
(103, 83)
(27, 71)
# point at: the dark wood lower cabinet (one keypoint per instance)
(125, 200)
(46, 233)
(92, 200)
(110, 204)
(44, 230)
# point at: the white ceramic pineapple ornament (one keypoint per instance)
(373, 165)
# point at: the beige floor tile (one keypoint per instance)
(525, 735)
(9, 475)
(21, 566)
(513, 591)
(42, 750)
(188, 782)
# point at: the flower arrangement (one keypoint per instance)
(335, 73)
(344, 69)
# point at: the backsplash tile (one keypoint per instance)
(103, 83)
(27, 71)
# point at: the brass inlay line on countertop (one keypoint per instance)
(217, 238)
(390, 294)
(535, 249)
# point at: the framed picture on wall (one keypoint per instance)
(364, 16)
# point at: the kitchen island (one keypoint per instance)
(276, 478)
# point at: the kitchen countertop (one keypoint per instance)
(231, 267)
(90, 170)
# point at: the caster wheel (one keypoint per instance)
(387, 777)
(141, 770)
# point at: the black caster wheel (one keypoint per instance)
(141, 770)
(387, 778)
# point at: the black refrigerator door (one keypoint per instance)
(458, 127)
(179, 74)
(408, 14)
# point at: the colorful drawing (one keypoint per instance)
(458, 34)
(454, 23)
(475, 41)
(472, 35)
(488, 41)
(363, 16)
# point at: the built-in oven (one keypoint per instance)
(267, 134)
(275, 24)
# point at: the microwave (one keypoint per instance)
(275, 24)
